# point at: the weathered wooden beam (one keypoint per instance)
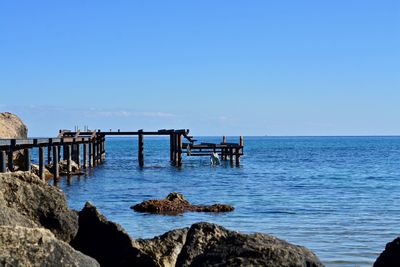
(140, 149)
(237, 156)
(50, 142)
(85, 146)
(231, 154)
(11, 155)
(69, 158)
(90, 154)
(27, 159)
(94, 152)
(171, 147)
(41, 163)
(56, 173)
(3, 161)
(179, 150)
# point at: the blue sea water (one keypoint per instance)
(339, 196)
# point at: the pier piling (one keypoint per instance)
(140, 148)
(3, 161)
(41, 163)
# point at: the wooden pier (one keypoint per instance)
(91, 146)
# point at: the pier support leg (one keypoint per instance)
(41, 163)
(231, 155)
(78, 154)
(223, 150)
(3, 162)
(237, 156)
(69, 167)
(94, 144)
(49, 151)
(90, 154)
(140, 149)
(171, 145)
(27, 157)
(10, 156)
(179, 150)
(85, 155)
(56, 173)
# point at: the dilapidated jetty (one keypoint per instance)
(87, 148)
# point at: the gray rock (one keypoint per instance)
(21, 246)
(11, 126)
(107, 241)
(390, 257)
(212, 245)
(39, 202)
(164, 249)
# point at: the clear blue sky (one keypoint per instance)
(216, 67)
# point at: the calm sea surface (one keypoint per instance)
(339, 196)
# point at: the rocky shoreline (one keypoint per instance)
(37, 228)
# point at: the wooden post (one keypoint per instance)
(223, 150)
(241, 141)
(140, 148)
(69, 167)
(3, 161)
(90, 144)
(27, 158)
(237, 156)
(56, 174)
(176, 148)
(94, 152)
(171, 150)
(10, 155)
(78, 154)
(98, 151)
(179, 150)
(49, 150)
(84, 155)
(41, 163)
(64, 152)
(231, 154)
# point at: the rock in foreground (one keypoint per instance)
(106, 241)
(212, 245)
(21, 246)
(203, 244)
(31, 201)
(175, 203)
(390, 257)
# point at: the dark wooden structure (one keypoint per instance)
(91, 146)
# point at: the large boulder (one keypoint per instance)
(107, 241)
(175, 203)
(212, 245)
(11, 126)
(21, 246)
(31, 198)
(390, 257)
(164, 249)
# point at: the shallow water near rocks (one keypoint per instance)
(338, 196)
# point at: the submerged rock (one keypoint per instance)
(28, 198)
(107, 241)
(63, 168)
(175, 203)
(47, 174)
(390, 257)
(21, 246)
(212, 245)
